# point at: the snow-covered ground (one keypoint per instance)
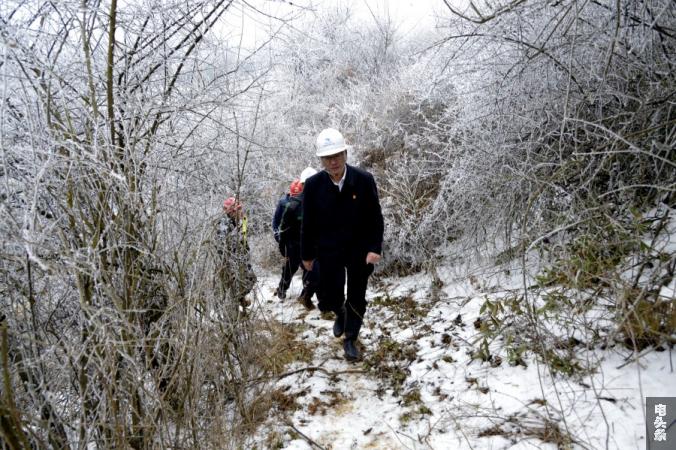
(419, 386)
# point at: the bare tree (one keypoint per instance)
(118, 132)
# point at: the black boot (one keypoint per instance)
(351, 351)
(339, 323)
(306, 300)
(281, 293)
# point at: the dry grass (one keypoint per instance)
(321, 407)
(519, 428)
(282, 347)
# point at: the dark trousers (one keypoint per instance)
(332, 276)
(291, 265)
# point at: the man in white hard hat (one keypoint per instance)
(342, 230)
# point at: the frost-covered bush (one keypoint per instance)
(562, 109)
(566, 135)
(117, 330)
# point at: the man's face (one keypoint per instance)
(335, 164)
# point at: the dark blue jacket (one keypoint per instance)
(277, 218)
(347, 222)
(289, 226)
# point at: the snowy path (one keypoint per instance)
(420, 387)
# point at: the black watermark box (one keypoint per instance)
(660, 415)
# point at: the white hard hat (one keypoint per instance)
(307, 173)
(330, 142)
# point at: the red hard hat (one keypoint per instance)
(295, 188)
(231, 205)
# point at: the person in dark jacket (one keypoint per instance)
(289, 243)
(288, 210)
(342, 230)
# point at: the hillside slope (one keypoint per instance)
(425, 383)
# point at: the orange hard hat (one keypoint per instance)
(295, 188)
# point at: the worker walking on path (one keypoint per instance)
(235, 273)
(342, 230)
(289, 243)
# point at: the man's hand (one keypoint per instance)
(308, 264)
(372, 258)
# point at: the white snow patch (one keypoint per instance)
(350, 406)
